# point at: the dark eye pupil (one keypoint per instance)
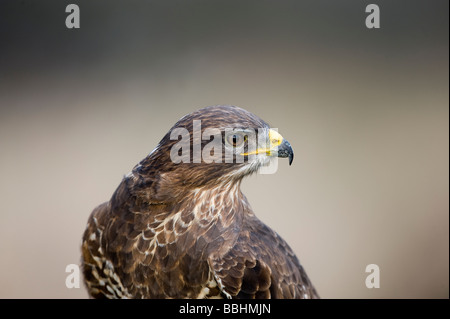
(235, 139)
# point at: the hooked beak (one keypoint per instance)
(278, 147)
(285, 150)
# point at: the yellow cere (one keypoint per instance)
(275, 139)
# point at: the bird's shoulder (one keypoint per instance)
(260, 264)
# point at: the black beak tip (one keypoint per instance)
(285, 150)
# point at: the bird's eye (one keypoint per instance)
(236, 139)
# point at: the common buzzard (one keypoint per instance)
(183, 229)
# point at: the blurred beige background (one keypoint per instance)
(366, 112)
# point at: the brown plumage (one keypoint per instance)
(186, 231)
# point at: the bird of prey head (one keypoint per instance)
(220, 143)
(178, 225)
